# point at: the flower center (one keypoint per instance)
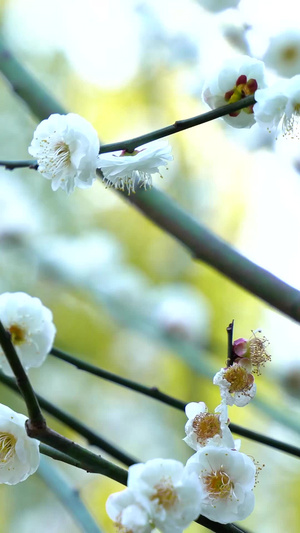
(206, 426)
(7, 447)
(18, 335)
(290, 53)
(218, 484)
(165, 493)
(242, 88)
(238, 377)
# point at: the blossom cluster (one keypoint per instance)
(244, 76)
(67, 151)
(217, 480)
(67, 147)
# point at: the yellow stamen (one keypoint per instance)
(206, 426)
(7, 447)
(165, 493)
(218, 484)
(18, 335)
(239, 378)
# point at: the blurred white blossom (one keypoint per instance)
(227, 478)
(237, 386)
(170, 495)
(19, 454)
(30, 326)
(207, 429)
(283, 53)
(19, 214)
(181, 310)
(238, 77)
(218, 5)
(66, 148)
(124, 170)
(86, 257)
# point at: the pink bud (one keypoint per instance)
(240, 347)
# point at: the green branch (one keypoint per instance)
(212, 250)
(26, 86)
(69, 496)
(154, 393)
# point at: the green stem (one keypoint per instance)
(59, 456)
(212, 250)
(154, 393)
(89, 461)
(68, 496)
(77, 426)
(23, 382)
(26, 86)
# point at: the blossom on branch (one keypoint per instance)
(283, 53)
(236, 383)
(170, 495)
(19, 454)
(227, 478)
(127, 169)
(218, 5)
(207, 429)
(66, 148)
(30, 326)
(239, 77)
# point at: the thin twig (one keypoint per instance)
(229, 330)
(130, 144)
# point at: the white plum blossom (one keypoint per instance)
(124, 169)
(30, 326)
(280, 106)
(19, 454)
(128, 515)
(218, 5)
(237, 386)
(283, 53)
(227, 478)
(170, 495)
(180, 310)
(239, 77)
(207, 429)
(270, 105)
(66, 148)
